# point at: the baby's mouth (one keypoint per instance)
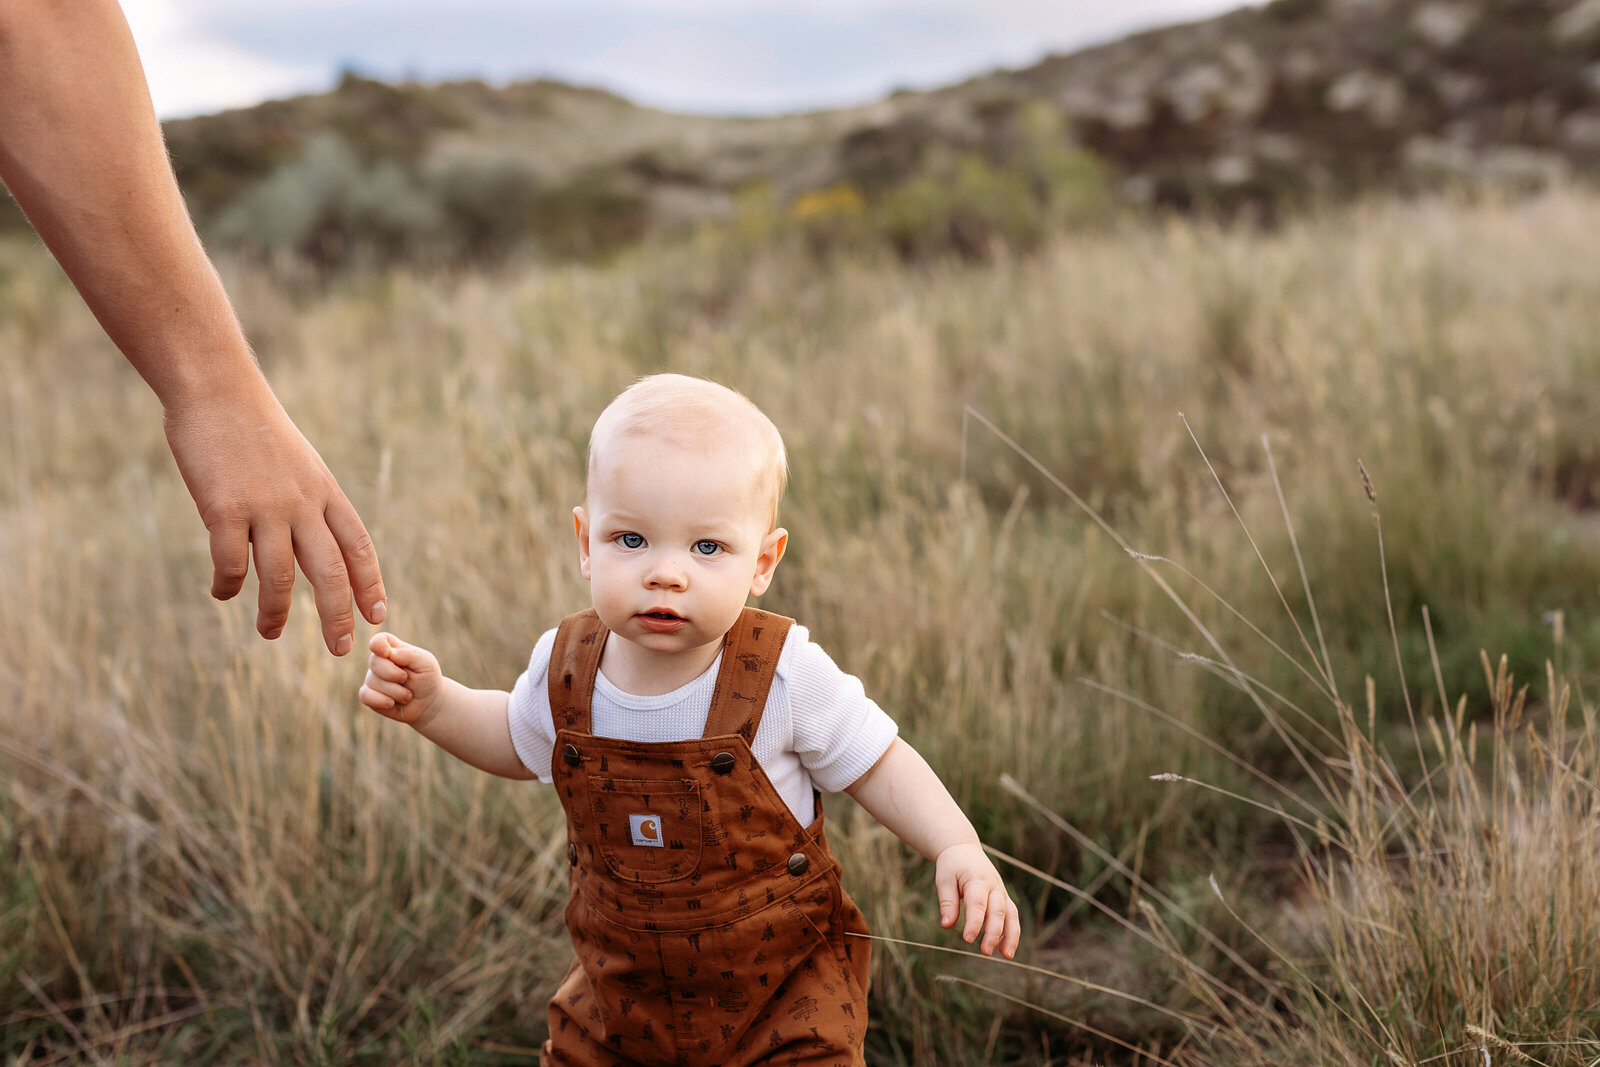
(660, 621)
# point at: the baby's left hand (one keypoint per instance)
(964, 873)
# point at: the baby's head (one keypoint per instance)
(677, 411)
(679, 522)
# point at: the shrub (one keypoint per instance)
(492, 205)
(967, 207)
(329, 208)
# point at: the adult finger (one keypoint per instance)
(273, 547)
(360, 557)
(323, 564)
(230, 556)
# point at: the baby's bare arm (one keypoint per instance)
(902, 792)
(404, 682)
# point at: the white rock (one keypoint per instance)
(1514, 163)
(1139, 188)
(1443, 24)
(1379, 95)
(1429, 153)
(1277, 148)
(1081, 99)
(1300, 66)
(1232, 169)
(1579, 20)
(1128, 112)
(1250, 86)
(1581, 130)
(1196, 92)
(1456, 89)
(1508, 164)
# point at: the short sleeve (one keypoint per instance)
(839, 732)
(533, 731)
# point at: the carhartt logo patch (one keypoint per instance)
(646, 830)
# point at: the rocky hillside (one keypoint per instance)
(1330, 94)
(1255, 109)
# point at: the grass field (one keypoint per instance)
(1380, 847)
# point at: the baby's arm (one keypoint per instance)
(404, 682)
(902, 792)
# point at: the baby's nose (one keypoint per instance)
(666, 573)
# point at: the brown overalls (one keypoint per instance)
(709, 925)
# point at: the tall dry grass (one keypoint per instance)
(211, 853)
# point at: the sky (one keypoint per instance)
(722, 56)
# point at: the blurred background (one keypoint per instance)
(1078, 320)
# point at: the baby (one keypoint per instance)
(689, 738)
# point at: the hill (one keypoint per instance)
(1256, 109)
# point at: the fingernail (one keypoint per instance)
(380, 611)
(342, 646)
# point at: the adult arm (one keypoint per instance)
(81, 151)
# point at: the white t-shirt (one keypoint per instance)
(819, 729)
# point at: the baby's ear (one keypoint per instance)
(772, 548)
(580, 525)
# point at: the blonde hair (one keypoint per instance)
(689, 411)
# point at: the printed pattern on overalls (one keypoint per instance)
(709, 925)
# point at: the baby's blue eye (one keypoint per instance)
(631, 540)
(707, 548)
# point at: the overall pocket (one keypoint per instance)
(647, 830)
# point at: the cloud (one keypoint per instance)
(714, 55)
(191, 71)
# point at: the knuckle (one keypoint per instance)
(280, 581)
(233, 572)
(360, 549)
(332, 573)
(226, 513)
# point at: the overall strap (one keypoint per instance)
(749, 663)
(574, 662)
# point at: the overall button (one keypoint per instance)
(572, 853)
(570, 754)
(722, 762)
(798, 864)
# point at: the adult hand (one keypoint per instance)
(82, 153)
(262, 489)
